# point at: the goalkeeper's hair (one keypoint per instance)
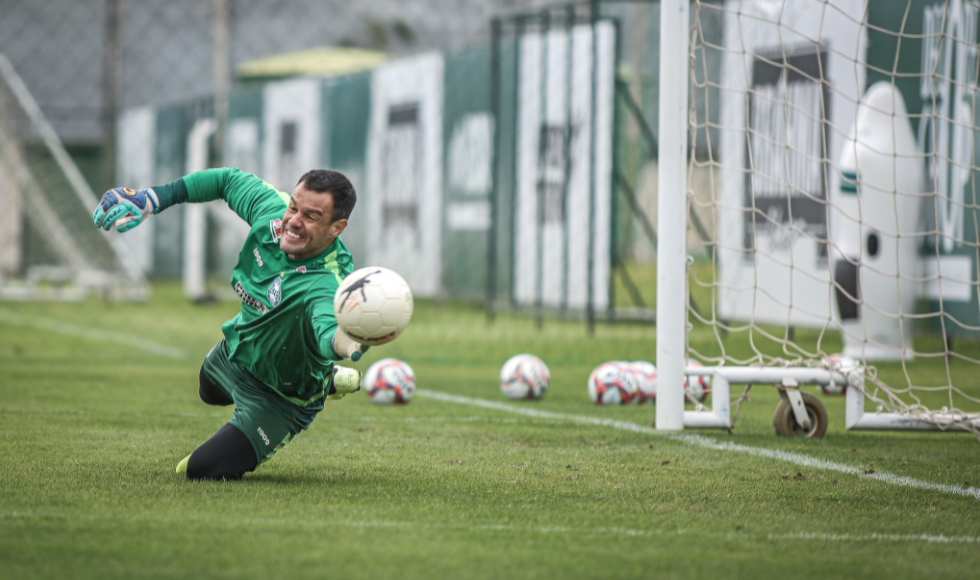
(335, 182)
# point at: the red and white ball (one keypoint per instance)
(697, 387)
(389, 381)
(373, 305)
(614, 383)
(524, 377)
(646, 378)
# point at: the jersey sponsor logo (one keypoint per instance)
(274, 292)
(258, 256)
(249, 299)
(276, 227)
(300, 269)
(264, 436)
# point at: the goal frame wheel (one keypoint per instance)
(785, 421)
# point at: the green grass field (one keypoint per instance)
(461, 483)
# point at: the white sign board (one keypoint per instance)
(772, 218)
(292, 131)
(404, 176)
(554, 176)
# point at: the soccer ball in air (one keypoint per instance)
(389, 381)
(646, 378)
(373, 305)
(524, 376)
(697, 387)
(842, 364)
(614, 383)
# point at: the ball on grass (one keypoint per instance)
(524, 377)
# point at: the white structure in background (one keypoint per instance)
(195, 214)
(874, 216)
(405, 178)
(242, 145)
(231, 229)
(135, 167)
(241, 151)
(772, 202)
(555, 178)
(80, 258)
(469, 162)
(946, 139)
(292, 128)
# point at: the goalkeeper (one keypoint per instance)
(276, 361)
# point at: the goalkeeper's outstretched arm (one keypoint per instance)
(246, 194)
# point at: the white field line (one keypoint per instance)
(69, 329)
(326, 523)
(702, 441)
(930, 539)
(292, 523)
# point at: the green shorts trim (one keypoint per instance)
(269, 420)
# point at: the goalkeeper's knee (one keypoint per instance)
(211, 393)
(228, 454)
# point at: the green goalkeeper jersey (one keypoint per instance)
(282, 333)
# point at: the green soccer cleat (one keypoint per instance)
(345, 381)
(182, 466)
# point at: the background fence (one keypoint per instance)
(409, 99)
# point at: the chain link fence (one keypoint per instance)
(85, 60)
(400, 94)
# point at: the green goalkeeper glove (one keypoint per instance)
(125, 208)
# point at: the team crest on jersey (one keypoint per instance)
(276, 227)
(274, 293)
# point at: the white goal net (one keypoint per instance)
(49, 247)
(835, 141)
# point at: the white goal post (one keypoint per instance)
(672, 214)
(837, 138)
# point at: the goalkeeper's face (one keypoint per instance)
(308, 226)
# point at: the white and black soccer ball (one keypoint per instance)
(389, 381)
(373, 305)
(697, 387)
(844, 365)
(524, 376)
(646, 378)
(613, 383)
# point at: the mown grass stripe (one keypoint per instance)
(702, 441)
(62, 327)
